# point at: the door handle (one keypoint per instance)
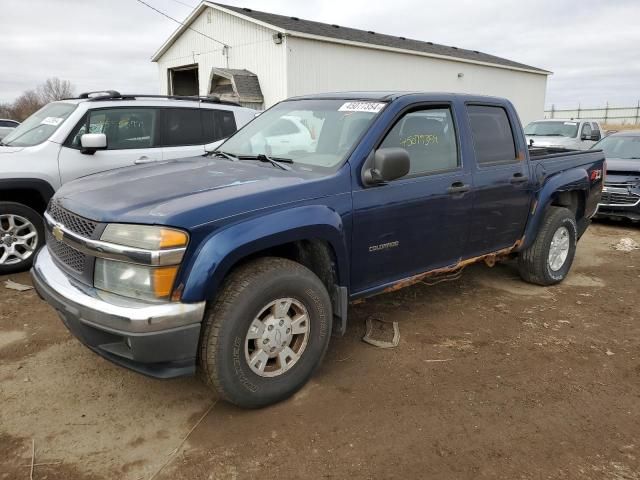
(458, 187)
(519, 178)
(143, 159)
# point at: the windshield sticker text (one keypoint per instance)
(54, 121)
(372, 107)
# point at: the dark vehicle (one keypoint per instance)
(621, 192)
(243, 264)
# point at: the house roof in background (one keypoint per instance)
(308, 28)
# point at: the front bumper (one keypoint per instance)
(156, 339)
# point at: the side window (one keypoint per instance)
(125, 128)
(430, 139)
(595, 134)
(492, 135)
(217, 124)
(586, 129)
(183, 126)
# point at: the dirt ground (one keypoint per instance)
(493, 378)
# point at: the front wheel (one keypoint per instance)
(266, 333)
(548, 260)
(21, 235)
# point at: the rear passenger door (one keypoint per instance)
(502, 192)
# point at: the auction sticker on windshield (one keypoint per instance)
(54, 121)
(373, 107)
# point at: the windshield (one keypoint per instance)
(39, 126)
(620, 147)
(315, 134)
(552, 129)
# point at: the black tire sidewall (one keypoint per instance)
(36, 219)
(570, 224)
(239, 382)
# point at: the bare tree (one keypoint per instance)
(6, 110)
(55, 89)
(32, 100)
(26, 104)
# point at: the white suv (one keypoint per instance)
(96, 132)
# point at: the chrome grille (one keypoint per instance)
(618, 197)
(73, 222)
(72, 258)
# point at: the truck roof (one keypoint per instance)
(387, 95)
(626, 133)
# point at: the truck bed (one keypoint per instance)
(555, 159)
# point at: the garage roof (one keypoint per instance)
(295, 26)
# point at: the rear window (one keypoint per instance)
(492, 135)
(217, 124)
(182, 127)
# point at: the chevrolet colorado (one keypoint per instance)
(241, 264)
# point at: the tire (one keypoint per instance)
(537, 264)
(17, 221)
(226, 352)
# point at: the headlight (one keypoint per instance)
(133, 279)
(144, 236)
(137, 281)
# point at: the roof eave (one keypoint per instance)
(414, 52)
(178, 31)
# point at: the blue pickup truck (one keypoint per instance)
(240, 264)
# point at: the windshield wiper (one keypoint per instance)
(226, 155)
(276, 162)
(553, 135)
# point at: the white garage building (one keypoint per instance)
(259, 58)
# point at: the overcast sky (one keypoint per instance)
(592, 46)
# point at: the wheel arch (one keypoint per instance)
(311, 235)
(33, 193)
(569, 189)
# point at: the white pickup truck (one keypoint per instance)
(579, 134)
(96, 132)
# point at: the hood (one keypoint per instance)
(539, 141)
(623, 165)
(185, 193)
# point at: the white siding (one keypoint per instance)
(252, 48)
(316, 66)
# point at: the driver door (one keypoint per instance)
(132, 138)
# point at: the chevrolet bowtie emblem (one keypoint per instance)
(57, 232)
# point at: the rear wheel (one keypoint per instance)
(266, 333)
(21, 235)
(548, 260)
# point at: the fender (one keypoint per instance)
(572, 180)
(223, 248)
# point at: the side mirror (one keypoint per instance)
(90, 142)
(388, 164)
